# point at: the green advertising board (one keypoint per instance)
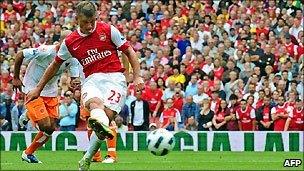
(192, 140)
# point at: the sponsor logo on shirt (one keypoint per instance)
(94, 55)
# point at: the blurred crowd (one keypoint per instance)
(207, 65)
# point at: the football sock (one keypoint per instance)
(97, 155)
(94, 146)
(100, 115)
(111, 144)
(38, 141)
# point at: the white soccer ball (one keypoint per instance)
(160, 142)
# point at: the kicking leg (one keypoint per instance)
(97, 156)
(99, 118)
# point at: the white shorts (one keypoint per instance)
(111, 88)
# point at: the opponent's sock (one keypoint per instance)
(38, 141)
(111, 144)
(100, 115)
(94, 146)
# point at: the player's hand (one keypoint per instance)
(139, 83)
(17, 84)
(32, 95)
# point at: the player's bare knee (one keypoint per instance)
(94, 103)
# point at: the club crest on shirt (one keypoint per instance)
(102, 37)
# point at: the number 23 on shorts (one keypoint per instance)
(114, 96)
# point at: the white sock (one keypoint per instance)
(94, 146)
(100, 115)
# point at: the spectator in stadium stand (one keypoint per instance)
(169, 91)
(205, 117)
(263, 115)
(16, 112)
(191, 124)
(190, 109)
(191, 88)
(245, 115)
(140, 113)
(232, 123)
(295, 120)
(279, 114)
(119, 123)
(4, 124)
(178, 99)
(124, 113)
(170, 117)
(200, 96)
(219, 122)
(177, 77)
(7, 107)
(215, 101)
(161, 84)
(153, 95)
(67, 112)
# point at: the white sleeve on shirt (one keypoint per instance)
(117, 38)
(64, 52)
(35, 53)
(252, 114)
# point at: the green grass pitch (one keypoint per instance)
(143, 160)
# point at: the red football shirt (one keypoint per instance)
(153, 97)
(96, 52)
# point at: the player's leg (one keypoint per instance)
(99, 119)
(98, 92)
(40, 139)
(38, 112)
(97, 156)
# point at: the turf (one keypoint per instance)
(143, 160)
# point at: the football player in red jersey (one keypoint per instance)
(95, 45)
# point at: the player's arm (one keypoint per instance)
(17, 83)
(131, 55)
(125, 63)
(124, 46)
